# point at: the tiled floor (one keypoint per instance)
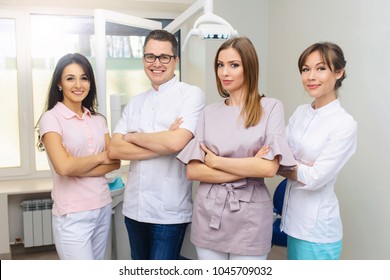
(49, 253)
(18, 252)
(278, 253)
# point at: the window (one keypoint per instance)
(9, 126)
(51, 37)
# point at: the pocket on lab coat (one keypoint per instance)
(177, 194)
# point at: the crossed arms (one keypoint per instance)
(141, 145)
(66, 164)
(217, 169)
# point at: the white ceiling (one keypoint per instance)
(171, 6)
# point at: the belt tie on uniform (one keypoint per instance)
(230, 194)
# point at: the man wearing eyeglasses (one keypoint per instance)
(154, 127)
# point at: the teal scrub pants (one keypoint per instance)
(298, 249)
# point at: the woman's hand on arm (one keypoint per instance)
(205, 172)
(262, 152)
(198, 171)
(107, 165)
(66, 164)
(292, 175)
(255, 167)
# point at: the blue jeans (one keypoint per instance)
(155, 241)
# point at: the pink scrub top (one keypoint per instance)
(82, 137)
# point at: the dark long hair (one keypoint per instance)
(55, 95)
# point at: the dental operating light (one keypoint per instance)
(207, 27)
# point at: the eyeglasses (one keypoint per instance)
(163, 58)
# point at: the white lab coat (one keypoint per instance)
(157, 190)
(322, 141)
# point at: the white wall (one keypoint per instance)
(281, 30)
(362, 29)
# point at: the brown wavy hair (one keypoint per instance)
(251, 110)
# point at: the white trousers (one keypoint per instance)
(207, 254)
(82, 235)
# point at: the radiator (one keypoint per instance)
(37, 222)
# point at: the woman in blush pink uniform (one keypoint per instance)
(232, 216)
(76, 138)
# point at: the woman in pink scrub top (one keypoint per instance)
(76, 138)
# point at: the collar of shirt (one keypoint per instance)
(68, 114)
(166, 85)
(325, 110)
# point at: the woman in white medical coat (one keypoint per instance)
(322, 138)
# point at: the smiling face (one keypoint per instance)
(230, 70)
(75, 85)
(157, 72)
(319, 80)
